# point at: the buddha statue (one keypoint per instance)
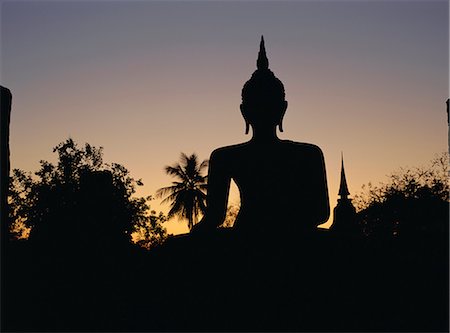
(282, 184)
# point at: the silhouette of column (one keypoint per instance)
(345, 219)
(5, 111)
(5, 103)
(448, 123)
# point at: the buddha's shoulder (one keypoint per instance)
(302, 147)
(230, 150)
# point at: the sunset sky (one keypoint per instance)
(148, 80)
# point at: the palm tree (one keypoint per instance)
(187, 195)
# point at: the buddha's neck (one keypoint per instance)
(265, 136)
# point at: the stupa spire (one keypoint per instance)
(262, 63)
(345, 217)
(343, 189)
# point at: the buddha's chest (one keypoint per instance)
(267, 176)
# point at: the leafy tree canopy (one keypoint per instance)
(81, 200)
(414, 201)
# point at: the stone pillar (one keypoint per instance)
(5, 103)
(5, 109)
(448, 123)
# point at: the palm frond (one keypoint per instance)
(187, 195)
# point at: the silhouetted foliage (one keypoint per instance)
(79, 200)
(413, 201)
(148, 230)
(230, 217)
(186, 195)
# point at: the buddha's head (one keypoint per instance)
(263, 104)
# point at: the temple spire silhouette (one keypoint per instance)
(343, 188)
(345, 219)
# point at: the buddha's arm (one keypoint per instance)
(218, 189)
(318, 202)
(321, 195)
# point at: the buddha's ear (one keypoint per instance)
(280, 125)
(242, 107)
(283, 111)
(247, 125)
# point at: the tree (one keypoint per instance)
(187, 195)
(148, 229)
(79, 201)
(413, 202)
(231, 215)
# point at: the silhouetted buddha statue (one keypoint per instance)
(282, 183)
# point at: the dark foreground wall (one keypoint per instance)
(318, 282)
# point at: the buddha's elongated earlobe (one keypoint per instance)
(247, 128)
(283, 112)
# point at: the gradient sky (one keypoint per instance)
(147, 80)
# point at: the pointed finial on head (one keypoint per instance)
(262, 62)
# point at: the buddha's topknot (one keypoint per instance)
(263, 85)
